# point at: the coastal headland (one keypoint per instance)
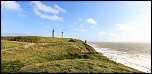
(35, 54)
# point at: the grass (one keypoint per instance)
(11, 66)
(9, 44)
(58, 55)
(35, 39)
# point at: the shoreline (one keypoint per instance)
(124, 58)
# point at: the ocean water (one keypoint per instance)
(135, 55)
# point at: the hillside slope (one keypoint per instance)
(56, 55)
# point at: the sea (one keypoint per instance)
(131, 54)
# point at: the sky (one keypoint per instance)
(94, 21)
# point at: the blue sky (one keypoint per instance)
(102, 21)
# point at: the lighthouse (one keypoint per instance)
(62, 32)
(53, 33)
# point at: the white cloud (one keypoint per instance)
(81, 26)
(11, 5)
(135, 30)
(92, 28)
(127, 26)
(107, 33)
(138, 30)
(104, 36)
(44, 8)
(139, 23)
(39, 8)
(58, 8)
(91, 21)
(142, 17)
(54, 17)
(123, 27)
(144, 3)
(78, 30)
(78, 27)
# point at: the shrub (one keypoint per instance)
(72, 40)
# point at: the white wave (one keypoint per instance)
(140, 62)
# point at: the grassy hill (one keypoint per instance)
(33, 54)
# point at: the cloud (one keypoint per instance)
(78, 27)
(124, 27)
(91, 21)
(104, 36)
(142, 17)
(39, 8)
(46, 16)
(137, 30)
(144, 3)
(134, 30)
(137, 24)
(78, 30)
(81, 26)
(44, 8)
(107, 33)
(92, 28)
(58, 8)
(11, 5)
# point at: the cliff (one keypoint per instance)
(56, 55)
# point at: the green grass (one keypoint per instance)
(11, 66)
(58, 55)
(35, 39)
(75, 66)
(9, 44)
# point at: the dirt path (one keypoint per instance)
(27, 45)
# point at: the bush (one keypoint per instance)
(22, 38)
(72, 40)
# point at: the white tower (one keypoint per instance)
(53, 33)
(62, 32)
